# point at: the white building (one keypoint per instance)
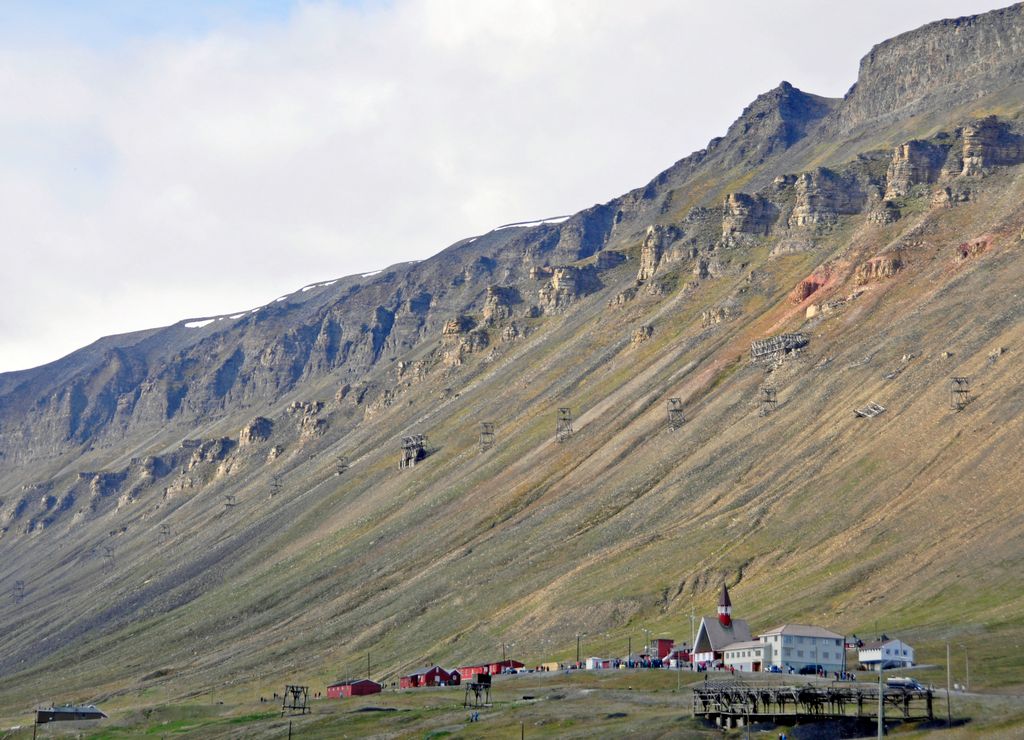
(752, 655)
(798, 645)
(891, 653)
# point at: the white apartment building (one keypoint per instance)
(798, 645)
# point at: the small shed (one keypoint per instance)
(353, 687)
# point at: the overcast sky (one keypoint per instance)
(169, 160)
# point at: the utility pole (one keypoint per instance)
(881, 705)
(578, 636)
(949, 682)
(967, 668)
(629, 651)
(693, 637)
(367, 665)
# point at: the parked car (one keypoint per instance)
(810, 670)
(771, 669)
(910, 684)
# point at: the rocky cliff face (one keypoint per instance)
(941, 64)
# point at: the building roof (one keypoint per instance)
(724, 599)
(719, 636)
(803, 630)
(748, 645)
(878, 644)
(425, 671)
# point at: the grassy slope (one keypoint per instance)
(908, 523)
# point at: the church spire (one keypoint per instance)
(725, 608)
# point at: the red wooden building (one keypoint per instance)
(494, 669)
(354, 687)
(433, 676)
(502, 665)
(661, 646)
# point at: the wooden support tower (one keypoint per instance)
(563, 427)
(486, 435)
(341, 465)
(769, 400)
(295, 700)
(108, 558)
(675, 413)
(414, 449)
(478, 691)
(18, 592)
(275, 486)
(959, 393)
(229, 500)
(165, 532)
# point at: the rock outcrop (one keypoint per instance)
(257, 430)
(877, 268)
(823, 195)
(913, 163)
(641, 334)
(989, 143)
(459, 338)
(650, 253)
(567, 284)
(499, 303)
(746, 215)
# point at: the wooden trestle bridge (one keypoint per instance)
(732, 703)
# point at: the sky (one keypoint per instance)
(162, 161)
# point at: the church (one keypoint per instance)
(715, 633)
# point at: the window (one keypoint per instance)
(800, 654)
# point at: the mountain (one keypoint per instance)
(219, 503)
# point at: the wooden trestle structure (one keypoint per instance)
(735, 703)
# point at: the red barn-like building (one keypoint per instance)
(661, 647)
(354, 687)
(433, 676)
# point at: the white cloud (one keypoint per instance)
(168, 177)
